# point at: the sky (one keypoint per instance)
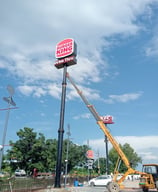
(117, 64)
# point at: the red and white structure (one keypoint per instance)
(65, 53)
(90, 154)
(108, 119)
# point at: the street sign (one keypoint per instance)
(90, 163)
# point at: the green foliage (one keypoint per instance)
(76, 155)
(79, 172)
(100, 165)
(131, 155)
(32, 150)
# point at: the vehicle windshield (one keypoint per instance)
(103, 177)
(149, 169)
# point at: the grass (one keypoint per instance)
(24, 184)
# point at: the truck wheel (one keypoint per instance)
(92, 184)
(157, 185)
(113, 187)
(107, 186)
(145, 189)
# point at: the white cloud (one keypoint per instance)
(152, 49)
(86, 68)
(42, 90)
(31, 29)
(30, 69)
(25, 89)
(123, 98)
(82, 116)
(145, 146)
(89, 93)
(149, 155)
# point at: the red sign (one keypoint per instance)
(90, 154)
(68, 60)
(107, 119)
(65, 48)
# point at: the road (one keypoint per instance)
(130, 187)
(99, 189)
(87, 189)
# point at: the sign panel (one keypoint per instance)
(107, 119)
(90, 154)
(71, 60)
(66, 48)
(90, 163)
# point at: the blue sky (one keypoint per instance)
(116, 69)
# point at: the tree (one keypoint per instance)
(51, 155)
(100, 165)
(132, 156)
(32, 150)
(77, 154)
(27, 152)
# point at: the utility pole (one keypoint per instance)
(98, 162)
(10, 102)
(107, 155)
(67, 154)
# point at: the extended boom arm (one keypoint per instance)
(106, 132)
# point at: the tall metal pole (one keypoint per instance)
(10, 102)
(61, 131)
(98, 163)
(4, 135)
(67, 154)
(107, 155)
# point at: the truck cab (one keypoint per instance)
(149, 180)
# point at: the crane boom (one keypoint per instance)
(104, 128)
(90, 107)
(101, 123)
